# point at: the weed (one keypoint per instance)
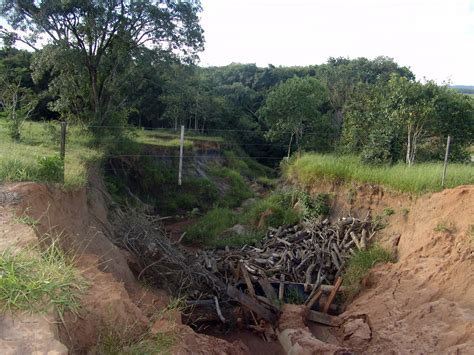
(388, 211)
(351, 196)
(235, 240)
(27, 220)
(314, 207)
(445, 227)
(405, 212)
(279, 204)
(294, 296)
(359, 265)
(50, 169)
(34, 280)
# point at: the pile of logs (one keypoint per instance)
(308, 257)
(312, 253)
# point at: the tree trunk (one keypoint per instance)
(407, 159)
(289, 146)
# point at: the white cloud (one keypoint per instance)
(433, 37)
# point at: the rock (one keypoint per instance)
(238, 229)
(357, 332)
(25, 333)
(249, 202)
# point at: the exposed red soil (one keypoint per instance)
(424, 303)
(114, 299)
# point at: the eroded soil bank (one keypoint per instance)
(422, 303)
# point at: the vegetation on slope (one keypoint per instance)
(420, 178)
(359, 266)
(34, 280)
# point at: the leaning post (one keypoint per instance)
(62, 152)
(446, 160)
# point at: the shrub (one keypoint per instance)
(314, 207)
(50, 169)
(281, 211)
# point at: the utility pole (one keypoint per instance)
(181, 150)
(446, 160)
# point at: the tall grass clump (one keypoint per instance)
(360, 264)
(278, 208)
(419, 178)
(34, 280)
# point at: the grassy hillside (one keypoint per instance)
(419, 178)
(36, 156)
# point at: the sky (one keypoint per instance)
(435, 38)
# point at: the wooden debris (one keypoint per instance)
(281, 289)
(332, 295)
(323, 318)
(251, 304)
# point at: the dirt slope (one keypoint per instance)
(424, 303)
(114, 297)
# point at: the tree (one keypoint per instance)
(91, 44)
(18, 103)
(293, 105)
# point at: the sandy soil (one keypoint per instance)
(424, 303)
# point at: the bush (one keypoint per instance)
(314, 207)
(281, 211)
(50, 169)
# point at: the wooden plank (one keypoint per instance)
(332, 295)
(268, 289)
(251, 304)
(324, 288)
(281, 289)
(313, 298)
(248, 282)
(324, 318)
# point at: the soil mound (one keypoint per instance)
(424, 303)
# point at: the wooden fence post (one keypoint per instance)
(181, 150)
(63, 140)
(446, 160)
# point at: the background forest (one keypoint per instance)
(106, 66)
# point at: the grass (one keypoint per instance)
(36, 156)
(171, 138)
(420, 178)
(445, 227)
(359, 266)
(114, 340)
(274, 210)
(238, 189)
(210, 226)
(278, 205)
(35, 280)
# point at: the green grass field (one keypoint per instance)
(35, 156)
(420, 178)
